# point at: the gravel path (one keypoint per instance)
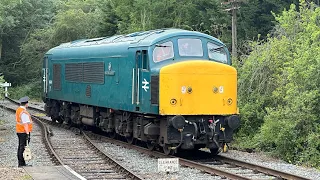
(264, 160)
(14, 173)
(147, 166)
(8, 148)
(9, 145)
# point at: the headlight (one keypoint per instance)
(189, 90)
(215, 89)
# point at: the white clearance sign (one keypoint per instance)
(168, 164)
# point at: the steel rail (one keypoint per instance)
(30, 107)
(261, 169)
(182, 162)
(205, 168)
(118, 166)
(129, 173)
(47, 140)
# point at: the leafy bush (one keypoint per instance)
(279, 93)
(1, 89)
(32, 90)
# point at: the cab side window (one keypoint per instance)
(217, 53)
(163, 52)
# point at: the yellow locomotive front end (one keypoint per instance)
(199, 99)
(198, 87)
(197, 96)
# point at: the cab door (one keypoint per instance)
(141, 74)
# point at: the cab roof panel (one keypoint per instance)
(136, 39)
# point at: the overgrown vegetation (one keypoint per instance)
(1, 88)
(32, 90)
(279, 89)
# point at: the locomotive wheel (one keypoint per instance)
(151, 145)
(215, 151)
(60, 120)
(131, 140)
(112, 134)
(166, 150)
(68, 121)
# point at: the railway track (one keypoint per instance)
(76, 150)
(220, 166)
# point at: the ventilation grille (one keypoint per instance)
(88, 91)
(56, 76)
(73, 72)
(92, 72)
(154, 89)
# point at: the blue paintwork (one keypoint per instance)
(120, 50)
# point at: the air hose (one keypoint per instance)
(181, 138)
(195, 129)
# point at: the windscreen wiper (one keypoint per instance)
(158, 45)
(215, 49)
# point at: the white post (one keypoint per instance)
(6, 85)
(6, 91)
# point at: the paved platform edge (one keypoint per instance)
(65, 172)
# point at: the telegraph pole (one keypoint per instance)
(233, 9)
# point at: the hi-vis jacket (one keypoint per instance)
(19, 125)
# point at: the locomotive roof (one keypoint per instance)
(144, 38)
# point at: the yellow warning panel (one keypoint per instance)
(198, 87)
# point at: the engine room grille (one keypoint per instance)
(56, 77)
(73, 72)
(154, 89)
(92, 72)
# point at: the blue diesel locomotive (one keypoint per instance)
(171, 88)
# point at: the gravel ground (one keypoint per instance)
(9, 145)
(8, 149)
(145, 163)
(264, 160)
(147, 166)
(13, 173)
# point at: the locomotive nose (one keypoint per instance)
(197, 87)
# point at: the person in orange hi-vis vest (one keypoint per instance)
(23, 128)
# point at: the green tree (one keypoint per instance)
(7, 21)
(279, 88)
(26, 16)
(126, 16)
(73, 20)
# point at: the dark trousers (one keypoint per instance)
(22, 143)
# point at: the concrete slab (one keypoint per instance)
(52, 172)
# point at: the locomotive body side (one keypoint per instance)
(172, 88)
